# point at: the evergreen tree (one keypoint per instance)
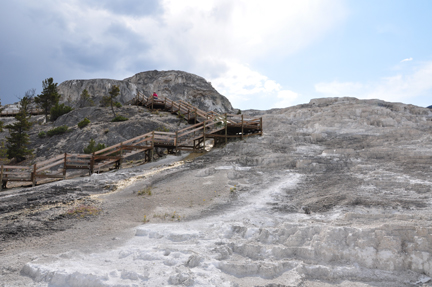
(3, 151)
(18, 139)
(85, 99)
(59, 110)
(26, 101)
(114, 92)
(49, 96)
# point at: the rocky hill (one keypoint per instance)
(337, 192)
(175, 85)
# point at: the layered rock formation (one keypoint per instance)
(175, 85)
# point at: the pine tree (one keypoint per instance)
(27, 100)
(3, 150)
(114, 92)
(85, 99)
(18, 139)
(49, 96)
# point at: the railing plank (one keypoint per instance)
(49, 166)
(18, 166)
(39, 164)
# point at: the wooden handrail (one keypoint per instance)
(17, 167)
(50, 165)
(180, 138)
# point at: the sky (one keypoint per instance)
(259, 54)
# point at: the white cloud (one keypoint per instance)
(240, 83)
(216, 39)
(336, 88)
(286, 98)
(220, 40)
(406, 60)
(247, 88)
(403, 87)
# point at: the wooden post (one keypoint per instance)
(64, 166)
(204, 138)
(195, 116)
(176, 142)
(121, 156)
(261, 126)
(226, 129)
(1, 178)
(34, 175)
(92, 162)
(242, 128)
(152, 149)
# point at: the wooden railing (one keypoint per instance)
(207, 125)
(9, 113)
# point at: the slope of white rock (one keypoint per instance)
(362, 169)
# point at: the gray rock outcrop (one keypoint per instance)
(175, 85)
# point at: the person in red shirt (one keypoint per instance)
(155, 95)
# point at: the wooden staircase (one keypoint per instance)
(205, 125)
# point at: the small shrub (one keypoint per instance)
(239, 112)
(42, 134)
(83, 211)
(57, 131)
(59, 110)
(119, 119)
(162, 129)
(83, 123)
(145, 191)
(220, 124)
(106, 131)
(93, 147)
(117, 105)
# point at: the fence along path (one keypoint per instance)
(205, 125)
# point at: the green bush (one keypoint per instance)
(117, 105)
(57, 131)
(93, 147)
(42, 134)
(59, 110)
(119, 119)
(83, 123)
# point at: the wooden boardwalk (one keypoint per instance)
(12, 113)
(204, 126)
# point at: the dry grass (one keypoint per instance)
(84, 210)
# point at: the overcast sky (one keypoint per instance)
(259, 54)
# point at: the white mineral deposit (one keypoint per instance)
(336, 192)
